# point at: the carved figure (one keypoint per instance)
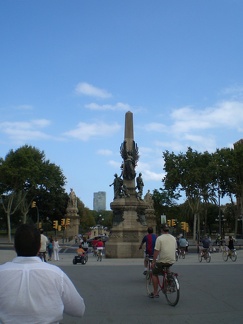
(130, 158)
(72, 199)
(149, 200)
(140, 185)
(120, 190)
(117, 183)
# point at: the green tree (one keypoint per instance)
(189, 173)
(25, 176)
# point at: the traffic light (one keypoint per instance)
(55, 224)
(183, 226)
(40, 225)
(33, 204)
(59, 228)
(67, 221)
(173, 222)
(187, 227)
(169, 222)
(63, 222)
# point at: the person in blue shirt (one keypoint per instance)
(149, 239)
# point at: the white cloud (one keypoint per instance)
(85, 131)
(24, 131)
(87, 89)
(24, 107)
(104, 152)
(115, 164)
(152, 176)
(155, 127)
(118, 106)
(224, 114)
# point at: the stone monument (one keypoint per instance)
(131, 214)
(72, 214)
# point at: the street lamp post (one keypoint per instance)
(220, 225)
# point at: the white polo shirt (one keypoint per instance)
(32, 291)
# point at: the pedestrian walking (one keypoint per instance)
(56, 249)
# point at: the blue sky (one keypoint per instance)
(70, 70)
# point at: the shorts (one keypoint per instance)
(159, 268)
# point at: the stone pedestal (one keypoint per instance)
(129, 227)
(73, 228)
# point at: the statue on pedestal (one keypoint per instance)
(72, 202)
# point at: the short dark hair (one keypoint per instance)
(150, 230)
(27, 240)
(165, 227)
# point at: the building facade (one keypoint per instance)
(99, 201)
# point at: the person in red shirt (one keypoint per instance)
(99, 244)
(94, 242)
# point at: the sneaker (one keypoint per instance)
(153, 296)
(145, 272)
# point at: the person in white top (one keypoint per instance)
(44, 241)
(33, 291)
(56, 249)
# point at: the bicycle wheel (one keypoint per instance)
(149, 283)
(225, 256)
(199, 257)
(233, 256)
(183, 255)
(100, 256)
(208, 257)
(172, 293)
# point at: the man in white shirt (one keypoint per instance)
(44, 241)
(33, 291)
(164, 256)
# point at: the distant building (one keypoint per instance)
(99, 201)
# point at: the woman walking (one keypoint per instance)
(56, 249)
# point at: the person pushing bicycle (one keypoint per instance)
(165, 248)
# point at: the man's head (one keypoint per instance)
(165, 227)
(27, 240)
(150, 230)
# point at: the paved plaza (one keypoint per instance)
(114, 290)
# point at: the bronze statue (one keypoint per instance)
(139, 186)
(130, 158)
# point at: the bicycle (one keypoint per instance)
(99, 255)
(182, 253)
(204, 254)
(176, 255)
(168, 284)
(229, 254)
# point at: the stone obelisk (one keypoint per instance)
(129, 209)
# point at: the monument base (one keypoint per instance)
(123, 250)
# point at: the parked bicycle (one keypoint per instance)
(204, 254)
(229, 254)
(168, 284)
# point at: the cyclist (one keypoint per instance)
(183, 244)
(164, 250)
(231, 245)
(149, 239)
(205, 244)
